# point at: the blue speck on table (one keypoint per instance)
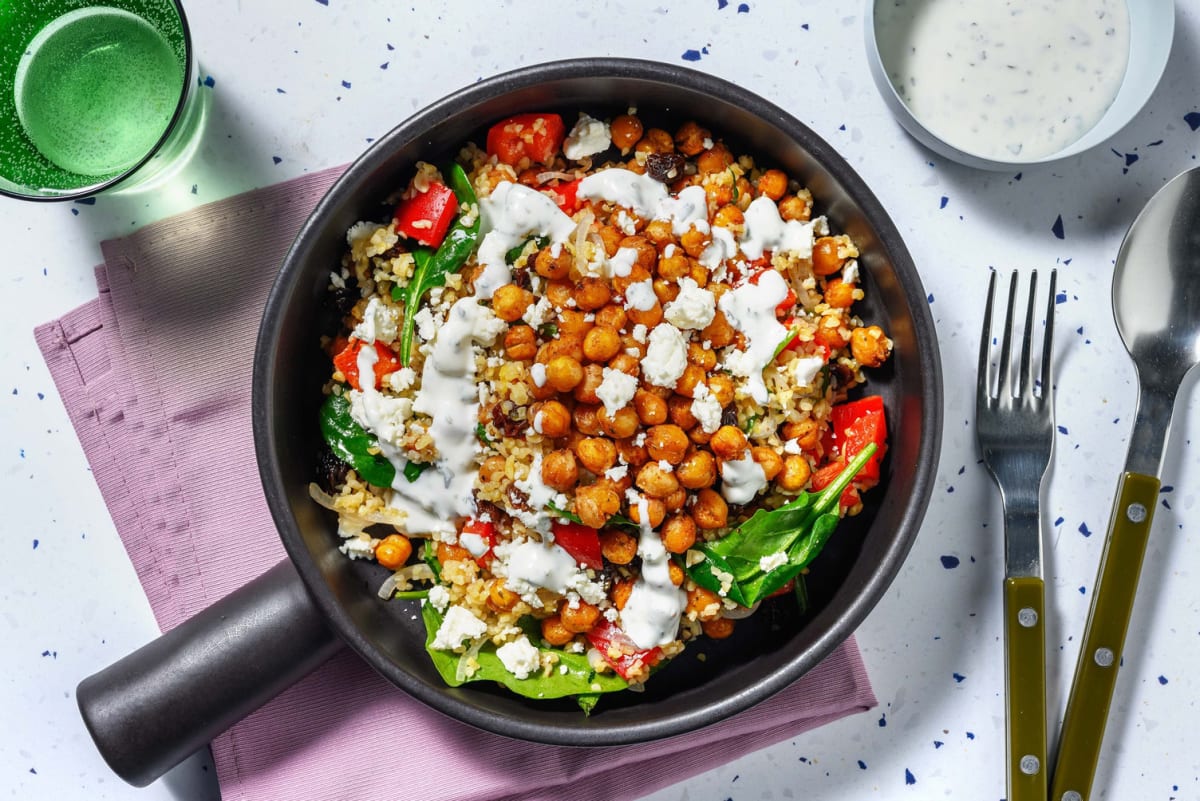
(209, 81)
(908, 777)
(691, 55)
(743, 8)
(346, 84)
(1192, 118)
(862, 765)
(1057, 228)
(1162, 679)
(1084, 530)
(958, 678)
(883, 720)
(35, 543)
(949, 562)
(942, 204)
(276, 159)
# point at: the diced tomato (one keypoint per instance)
(478, 537)
(852, 426)
(622, 653)
(582, 542)
(347, 362)
(426, 216)
(567, 196)
(537, 137)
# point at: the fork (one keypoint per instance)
(1015, 429)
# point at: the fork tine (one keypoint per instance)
(1047, 349)
(1025, 375)
(1004, 384)
(982, 384)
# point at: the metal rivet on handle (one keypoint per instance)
(1135, 512)
(1027, 617)
(1071, 795)
(1030, 765)
(1104, 658)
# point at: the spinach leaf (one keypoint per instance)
(451, 255)
(539, 242)
(773, 547)
(351, 443)
(580, 679)
(413, 470)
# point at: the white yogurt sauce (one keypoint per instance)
(1005, 79)
(655, 605)
(750, 308)
(766, 230)
(741, 479)
(509, 216)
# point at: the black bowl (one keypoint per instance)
(769, 650)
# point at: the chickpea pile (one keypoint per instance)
(655, 445)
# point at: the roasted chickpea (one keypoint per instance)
(595, 504)
(699, 436)
(559, 292)
(631, 453)
(619, 594)
(393, 551)
(796, 207)
(702, 357)
(617, 546)
(592, 293)
(719, 332)
(666, 442)
(655, 481)
(554, 632)
(730, 217)
(619, 425)
(610, 237)
(773, 184)
(550, 418)
(626, 363)
(716, 159)
(766, 458)
(520, 343)
(703, 604)
(795, 473)
(697, 470)
(566, 345)
(551, 266)
(596, 454)
(585, 419)
(544, 392)
(573, 323)
(612, 316)
(625, 130)
(492, 468)
(693, 375)
(679, 410)
(806, 433)
(869, 346)
(694, 242)
(655, 140)
(839, 294)
(675, 501)
(447, 552)
(718, 628)
(564, 373)
(710, 510)
(601, 343)
(647, 254)
(559, 470)
(500, 597)
(650, 408)
(831, 332)
(510, 301)
(674, 266)
(679, 532)
(666, 291)
(585, 390)
(720, 386)
(691, 138)
(659, 232)
(579, 618)
(648, 317)
(825, 258)
(729, 443)
(655, 511)
(698, 272)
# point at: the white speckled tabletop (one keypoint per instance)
(304, 85)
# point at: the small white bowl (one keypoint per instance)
(1151, 30)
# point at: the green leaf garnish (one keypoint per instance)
(353, 444)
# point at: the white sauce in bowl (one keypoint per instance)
(1005, 80)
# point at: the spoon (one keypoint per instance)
(1156, 304)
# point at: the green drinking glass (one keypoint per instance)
(94, 98)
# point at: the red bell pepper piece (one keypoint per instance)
(582, 542)
(426, 216)
(537, 137)
(485, 532)
(567, 196)
(347, 362)
(852, 426)
(630, 662)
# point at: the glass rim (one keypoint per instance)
(185, 94)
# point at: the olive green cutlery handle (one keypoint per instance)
(1104, 638)
(1025, 680)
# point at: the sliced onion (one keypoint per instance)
(388, 588)
(460, 670)
(550, 175)
(586, 218)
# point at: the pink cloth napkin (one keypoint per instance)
(155, 376)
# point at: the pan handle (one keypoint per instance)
(158, 705)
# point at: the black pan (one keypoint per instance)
(156, 706)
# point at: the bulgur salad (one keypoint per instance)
(589, 398)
